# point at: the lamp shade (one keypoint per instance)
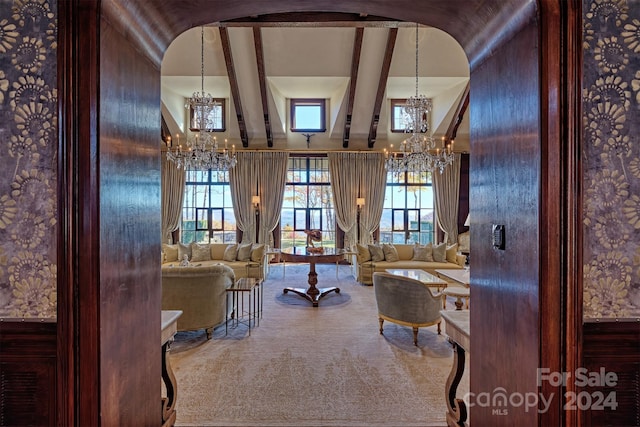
(467, 223)
(360, 202)
(255, 200)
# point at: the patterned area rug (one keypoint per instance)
(306, 366)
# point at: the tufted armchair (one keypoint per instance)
(407, 302)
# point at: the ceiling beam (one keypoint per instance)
(257, 41)
(461, 109)
(233, 82)
(355, 62)
(382, 85)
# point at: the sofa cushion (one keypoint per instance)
(184, 250)
(230, 253)
(170, 252)
(200, 252)
(257, 252)
(244, 252)
(440, 252)
(217, 250)
(364, 254)
(390, 253)
(452, 253)
(423, 253)
(377, 254)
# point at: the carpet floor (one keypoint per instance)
(305, 366)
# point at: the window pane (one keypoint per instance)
(301, 219)
(398, 219)
(307, 117)
(202, 219)
(413, 220)
(314, 219)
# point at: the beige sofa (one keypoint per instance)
(200, 292)
(365, 267)
(249, 263)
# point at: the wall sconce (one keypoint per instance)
(255, 200)
(360, 203)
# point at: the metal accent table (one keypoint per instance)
(169, 329)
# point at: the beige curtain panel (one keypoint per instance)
(373, 182)
(344, 180)
(243, 181)
(446, 186)
(173, 180)
(272, 176)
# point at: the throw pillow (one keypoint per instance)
(200, 252)
(440, 252)
(363, 253)
(452, 253)
(230, 253)
(257, 252)
(377, 253)
(423, 253)
(184, 250)
(170, 252)
(244, 252)
(390, 253)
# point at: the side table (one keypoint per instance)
(252, 287)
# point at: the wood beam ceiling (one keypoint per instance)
(233, 83)
(257, 41)
(461, 109)
(355, 62)
(382, 85)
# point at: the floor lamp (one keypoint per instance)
(359, 204)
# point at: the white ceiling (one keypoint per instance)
(315, 62)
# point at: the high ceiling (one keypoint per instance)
(315, 59)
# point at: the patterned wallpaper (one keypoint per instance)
(28, 156)
(611, 102)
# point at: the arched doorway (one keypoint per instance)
(108, 285)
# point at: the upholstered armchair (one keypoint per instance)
(200, 292)
(407, 302)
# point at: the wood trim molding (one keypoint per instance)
(382, 85)
(257, 41)
(233, 83)
(355, 62)
(78, 203)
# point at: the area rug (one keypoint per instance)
(305, 366)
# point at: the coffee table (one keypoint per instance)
(415, 273)
(461, 277)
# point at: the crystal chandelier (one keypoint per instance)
(201, 152)
(418, 153)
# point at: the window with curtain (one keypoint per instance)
(307, 203)
(408, 211)
(207, 213)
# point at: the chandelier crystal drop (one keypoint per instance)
(419, 152)
(201, 151)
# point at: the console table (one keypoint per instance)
(458, 329)
(169, 329)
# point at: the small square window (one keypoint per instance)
(308, 115)
(398, 116)
(215, 121)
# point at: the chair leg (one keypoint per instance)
(439, 327)
(381, 321)
(415, 336)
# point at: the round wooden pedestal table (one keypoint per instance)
(298, 254)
